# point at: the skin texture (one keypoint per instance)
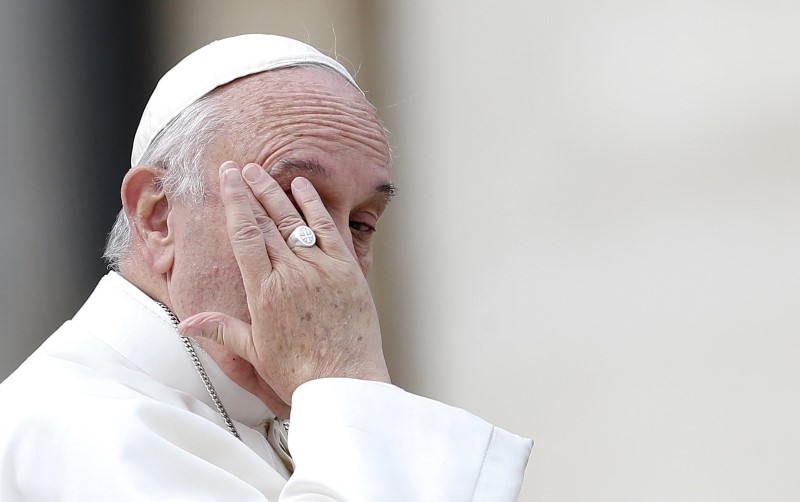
(311, 311)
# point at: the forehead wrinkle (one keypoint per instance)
(272, 110)
(270, 150)
(316, 92)
(303, 103)
(304, 166)
(327, 135)
(334, 121)
(275, 97)
(324, 117)
(338, 134)
(273, 91)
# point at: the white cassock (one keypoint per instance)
(111, 408)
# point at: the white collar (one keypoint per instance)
(133, 324)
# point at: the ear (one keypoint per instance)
(147, 207)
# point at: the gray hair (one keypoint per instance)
(180, 150)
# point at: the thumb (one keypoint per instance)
(231, 333)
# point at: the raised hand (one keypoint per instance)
(311, 309)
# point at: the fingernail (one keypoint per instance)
(232, 176)
(299, 183)
(228, 164)
(252, 172)
(191, 332)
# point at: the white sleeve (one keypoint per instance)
(352, 441)
(360, 441)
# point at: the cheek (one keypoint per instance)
(364, 258)
(216, 284)
(208, 270)
(360, 247)
(206, 246)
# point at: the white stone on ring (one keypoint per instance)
(302, 236)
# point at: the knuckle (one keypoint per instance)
(246, 233)
(289, 223)
(264, 222)
(266, 188)
(325, 225)
(218, 334)
(269, 186)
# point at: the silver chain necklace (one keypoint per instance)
(202, 372)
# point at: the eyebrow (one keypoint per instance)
(307, 166)
(315, 168)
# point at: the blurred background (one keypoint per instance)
(596, 239)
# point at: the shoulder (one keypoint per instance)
(81, 422)
(75, 385)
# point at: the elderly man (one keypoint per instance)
(259, 173)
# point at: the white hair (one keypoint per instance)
(180, 150)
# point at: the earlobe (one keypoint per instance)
(148, 210)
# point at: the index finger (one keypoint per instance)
(247, 240)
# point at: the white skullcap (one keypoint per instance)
(216, 64)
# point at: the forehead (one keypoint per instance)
(313, 109)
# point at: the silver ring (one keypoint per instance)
(302, 236)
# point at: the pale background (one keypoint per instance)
(597, 235)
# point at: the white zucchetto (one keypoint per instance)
(217, 64)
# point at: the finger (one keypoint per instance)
(247, 239)
(263, 221)
(264, 188)
(268, 228)
(231, 333)
(319, 219)
(271, 196)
